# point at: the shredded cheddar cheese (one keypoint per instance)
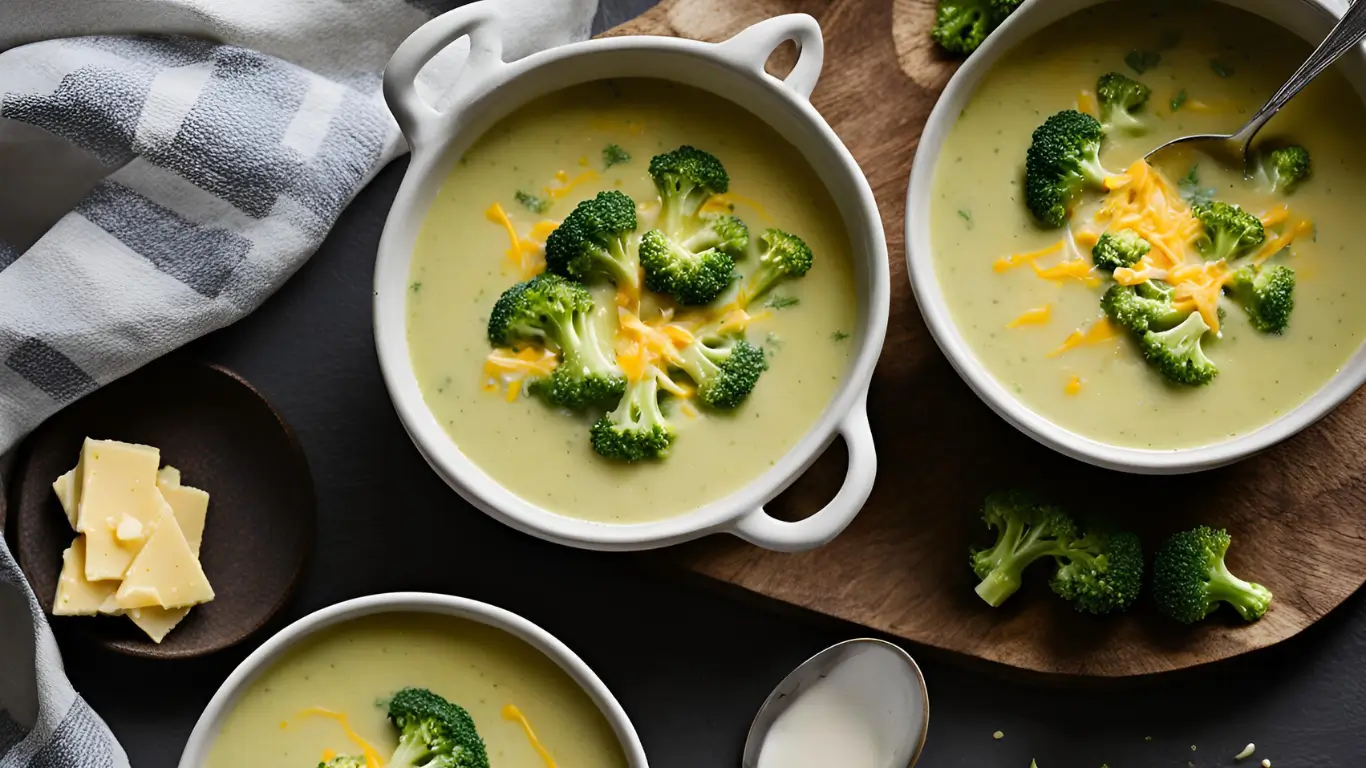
(1029, 257)
(1073, 269)
(1073, 386)
(504, 368)
(724, 202)
(1100, 330)
(512, 713)
(526, 256)
(1086, 102)
(372, 756)
(566, 184)
(1035, 316)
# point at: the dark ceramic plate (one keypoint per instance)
(226, 439)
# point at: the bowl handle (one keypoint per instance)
(415, 116)
(759, 528)
(751, 48)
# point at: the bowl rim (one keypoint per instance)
(1031, 19)
(843, 413)
(250, 669)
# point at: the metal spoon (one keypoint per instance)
(1350, 30)
(889, 691)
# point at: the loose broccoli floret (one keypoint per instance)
(1140, 311)
(344, 761)
(725, 369)
(1026, 530)
(1121, 99)
(1003, 8)
(1229, 230)
(1284, 168)
(1267, 294)
(433, 733)
(686, 178)
(1119, 249)
(960, 26)
(1101, 572)
(558, 313)
(1190, 578)
(1177, 354)
(613, 154)
(594, 239)
(1063, 161)
(637, 429)
(784, 256)
(691, 277)
(725, 233)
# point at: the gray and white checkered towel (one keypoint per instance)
(165, 165)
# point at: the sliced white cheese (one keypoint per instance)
(129, 530)
(114, 479)
(76, 596)
(168, 476)
(190, 506)
(157, 622)
(111, 606)
(165, 572)
(65, 488)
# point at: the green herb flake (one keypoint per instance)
(613, 154)
(531, 202)
(1179, 100)
(1142, 61)
(782, 302)
(966, 216)
(415, 287)
(838, 336)
(1221, 68)
(1191, 190)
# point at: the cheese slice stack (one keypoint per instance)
(140, 531)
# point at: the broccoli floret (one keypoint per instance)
(558, 313)
(1063, 161)
(1284, 168)
(433, 733)
(1121, 98)
(686, 178)
(1229, 230)
(1190, 578)
(692, 277)
(1119, 249)
(1003, 8)
(725, 233)
(1101, 572)
(725, 369)
(594, 239)
(960, 26)
(1267, 294)
(613, 154)
(344, 761)
(637, 429)
(1026, 530)
(784, 256)
(1177, 355)
(1140, 310)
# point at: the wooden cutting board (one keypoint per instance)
(1296, 512)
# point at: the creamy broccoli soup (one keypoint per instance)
(1027, 296)
(746, 256)
(327, 699)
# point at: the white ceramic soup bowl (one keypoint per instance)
(1309, 19)
(490, 89)
(259, 662)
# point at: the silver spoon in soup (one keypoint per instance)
(1350, 31)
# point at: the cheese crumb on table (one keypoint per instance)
(1247, 751)
(140, 531)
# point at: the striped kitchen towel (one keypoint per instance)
(165, 165)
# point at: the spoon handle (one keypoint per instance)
(1350, 31)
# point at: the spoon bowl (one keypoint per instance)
(1346, 35)
(875, 679)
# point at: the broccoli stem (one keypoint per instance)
(1009, 558)
(1249, 599)
(583, 348)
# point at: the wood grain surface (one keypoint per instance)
(1295, 512)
